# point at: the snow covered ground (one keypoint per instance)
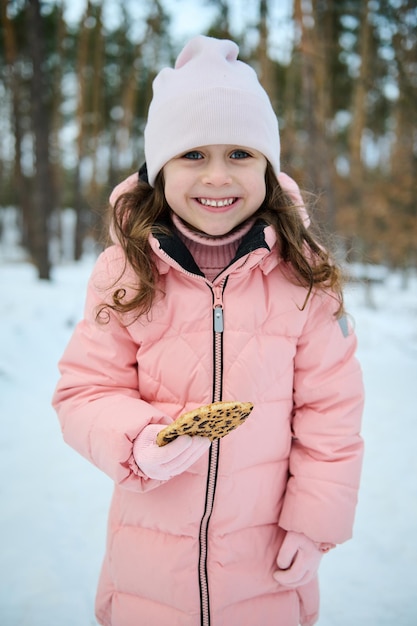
(54, 504)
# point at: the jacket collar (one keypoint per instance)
(256, 245)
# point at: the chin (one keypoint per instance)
(217, 232)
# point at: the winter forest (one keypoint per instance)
(342, 77)
(75, 84)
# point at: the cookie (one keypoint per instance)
(213, 421)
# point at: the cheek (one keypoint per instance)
(259, 187)
(176, 185)
(171, 190)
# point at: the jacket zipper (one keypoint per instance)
(218, 327)
(214, 451)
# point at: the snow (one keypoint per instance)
(54, 504)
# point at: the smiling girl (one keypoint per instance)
(215, 289)
(215, 188)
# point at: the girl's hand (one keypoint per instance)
(298, 560)
(162, 463)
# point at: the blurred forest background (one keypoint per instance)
(342, 76)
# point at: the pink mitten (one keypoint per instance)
(298, 560)
(162, 463)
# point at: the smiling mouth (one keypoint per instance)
(216, 203)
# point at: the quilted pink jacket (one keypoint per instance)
(200, 549)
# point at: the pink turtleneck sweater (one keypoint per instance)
(212, 254)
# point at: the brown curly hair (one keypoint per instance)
(138, 213)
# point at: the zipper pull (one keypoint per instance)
(218, 319)
(218, 309)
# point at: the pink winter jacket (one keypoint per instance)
(201, 548)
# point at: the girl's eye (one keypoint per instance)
(193, 155)
(240, 154)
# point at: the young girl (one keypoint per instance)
(215, 289)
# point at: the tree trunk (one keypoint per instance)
(403, 156)
(43, 190)
(265, 66)
(19, 180)
(358, 109)
(316, 82)
(97, 105)
(364, 221)
(81, 68)
(57, 123)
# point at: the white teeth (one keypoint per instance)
(216, 203)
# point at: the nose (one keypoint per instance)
(216, 173)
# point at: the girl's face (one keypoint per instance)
(215, 188)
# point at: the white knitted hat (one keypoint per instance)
(208, 98)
